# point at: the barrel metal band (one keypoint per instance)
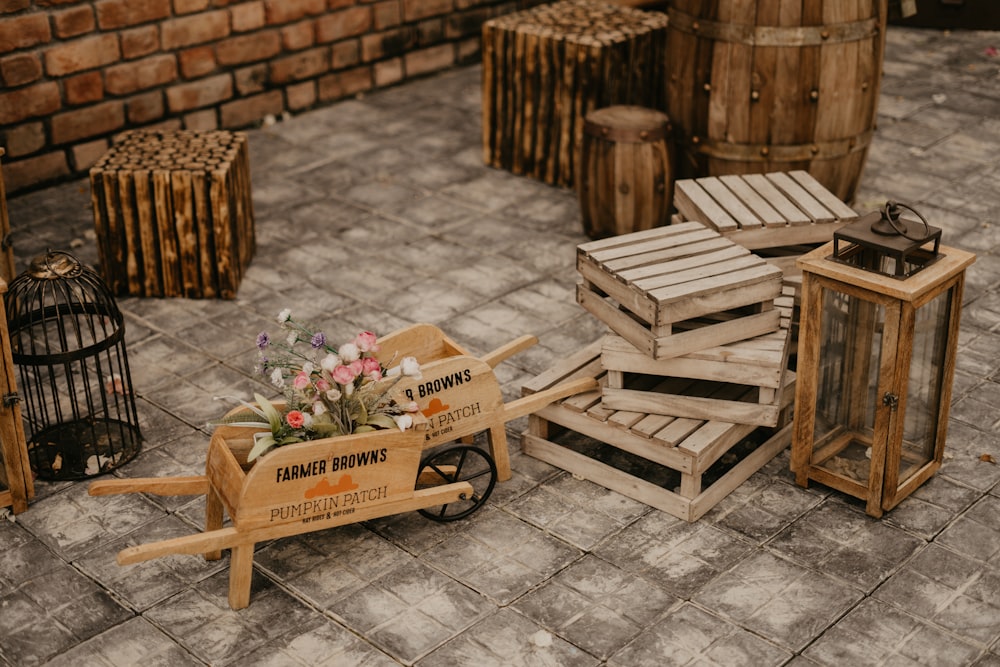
(627, 135)
(817, 150)
(774, 35)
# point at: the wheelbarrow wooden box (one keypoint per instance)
(173, 213)
(681, 466)
(676, 289)
(546, 68)
(781, 214)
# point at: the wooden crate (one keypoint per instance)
(7, 271)
(681, 466)
(676, 289)
(790, 211)
(546, 68)
(173, 213)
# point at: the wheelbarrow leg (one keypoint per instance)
(213, 519)
(240, 575)
(499, 451)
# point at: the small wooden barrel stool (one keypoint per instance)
(625, 176)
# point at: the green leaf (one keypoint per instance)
(261, 445)
(364, 428)
(381, 421)
(271, 412)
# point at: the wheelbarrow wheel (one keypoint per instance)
(461, 463)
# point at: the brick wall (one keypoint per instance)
(74, 73)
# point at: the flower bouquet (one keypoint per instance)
(328, 391)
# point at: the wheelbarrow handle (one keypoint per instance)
(159, 486)
(510, 349)
(199, 543)
(534, 402)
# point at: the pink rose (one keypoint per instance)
(366, 342)
(343, 375)
(322, 385)
(295, 419)
(371, 368)
(301, 381)
(357, 367)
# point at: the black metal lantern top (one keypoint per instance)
(67, 339)
(884, 242)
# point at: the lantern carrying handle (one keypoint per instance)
(891, 215)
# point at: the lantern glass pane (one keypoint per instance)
(850, 349)
(923, 395)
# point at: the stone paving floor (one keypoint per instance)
(378, 212)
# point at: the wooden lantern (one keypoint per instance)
(880, 312)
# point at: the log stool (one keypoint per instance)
(624, 181)
(545, 68)
(173, 213)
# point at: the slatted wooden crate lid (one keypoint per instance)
(764, 210)
(672, 290)
(681, 466)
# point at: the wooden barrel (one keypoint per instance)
(756, 86)
(624, 180)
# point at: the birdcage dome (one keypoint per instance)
(67, 338)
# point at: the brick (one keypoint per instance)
(146, 107)
(71, 126)
(40, 99)
(85, 155)
(388, 44)
(388, 72)
(11, 6)
(341, 84)
(466, 24)
(430, 32)
(73, 22)
(245, 111)
(197, 62)
(298, 36)
(414, 10)
(23, 139)
(469, 51)
(190, 6)
(340, 4)
(286, 11)
(141, 41)
(346, 23)
(21, 32)
(387, 14)
(20, 69)
(301, 95)
(115, 14)
(304, 65)
(81, 54)
(203, 120)
(196, 29)
(250, 80)
(429, 60)
(30, 171)
(345, 54)
(248, 16)
(84, 88)
(137, 75)
(248, 48)
(200, 93)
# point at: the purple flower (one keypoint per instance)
(318, 340)
(263, 340)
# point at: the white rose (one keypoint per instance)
(330, 362)
(349, 352)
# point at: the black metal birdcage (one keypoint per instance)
(67, 339)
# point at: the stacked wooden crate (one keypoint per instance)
(694, 373)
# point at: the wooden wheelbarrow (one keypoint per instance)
(320, 484)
